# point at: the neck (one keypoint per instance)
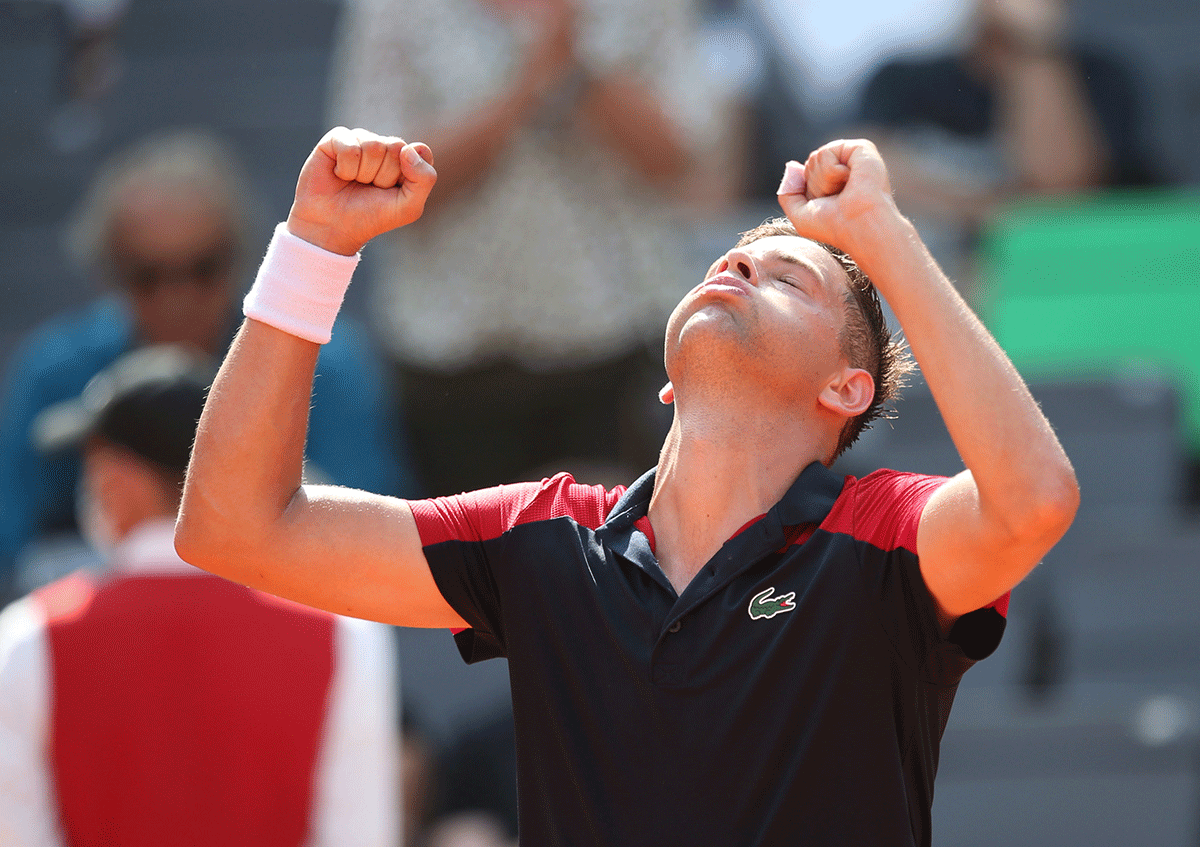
(719, 469)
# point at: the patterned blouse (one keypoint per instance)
(562, 254)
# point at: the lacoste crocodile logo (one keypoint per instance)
(763, 605)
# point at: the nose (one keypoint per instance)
(736, 261)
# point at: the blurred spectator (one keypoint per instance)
(1022, 111)
(807, 60)
(161, 705)
(523, 308)
(167, 227)
(91, 65)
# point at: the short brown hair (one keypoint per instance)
(865, 339)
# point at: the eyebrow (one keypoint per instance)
(795, 261)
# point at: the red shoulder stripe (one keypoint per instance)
(883, 508)
(489, 513)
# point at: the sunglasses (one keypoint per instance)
(206, 267)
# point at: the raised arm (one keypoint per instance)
(245, 514)
(982, 532)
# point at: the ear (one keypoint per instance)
(667, 394)
(849, 393)
(109, 482)
(102, 470)
(126, 487)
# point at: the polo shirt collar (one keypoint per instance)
(808, 501)
(634, 503)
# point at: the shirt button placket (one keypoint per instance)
(667, 667)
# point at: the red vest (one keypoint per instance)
(185, 710)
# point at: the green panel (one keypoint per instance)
(1091, 287)
(1144, 239)
(1102, 332)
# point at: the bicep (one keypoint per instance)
(354, 553)
(968, 559)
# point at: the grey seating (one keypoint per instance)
(1102, 766)
(1121, 435)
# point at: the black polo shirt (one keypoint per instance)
(794, 694)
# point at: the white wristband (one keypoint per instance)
(299, 287)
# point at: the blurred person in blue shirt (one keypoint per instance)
(167, 228)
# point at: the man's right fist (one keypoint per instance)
(356, 185)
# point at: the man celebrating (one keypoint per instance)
(740, 648)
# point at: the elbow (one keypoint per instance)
(206, 540)
(1067, 175)
(1051, 506)
(224, 536)
(193, 542)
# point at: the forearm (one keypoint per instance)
(1021, 472)
(629, 117)
(1049, 130)
(245, 514)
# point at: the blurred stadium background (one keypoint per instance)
(1084, 728)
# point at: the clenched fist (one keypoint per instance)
(356, 185)
(841, 195)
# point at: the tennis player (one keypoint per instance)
(740, 647)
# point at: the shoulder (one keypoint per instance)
(73, 346)
(883, 508)
(561, 496)
(489, 513)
